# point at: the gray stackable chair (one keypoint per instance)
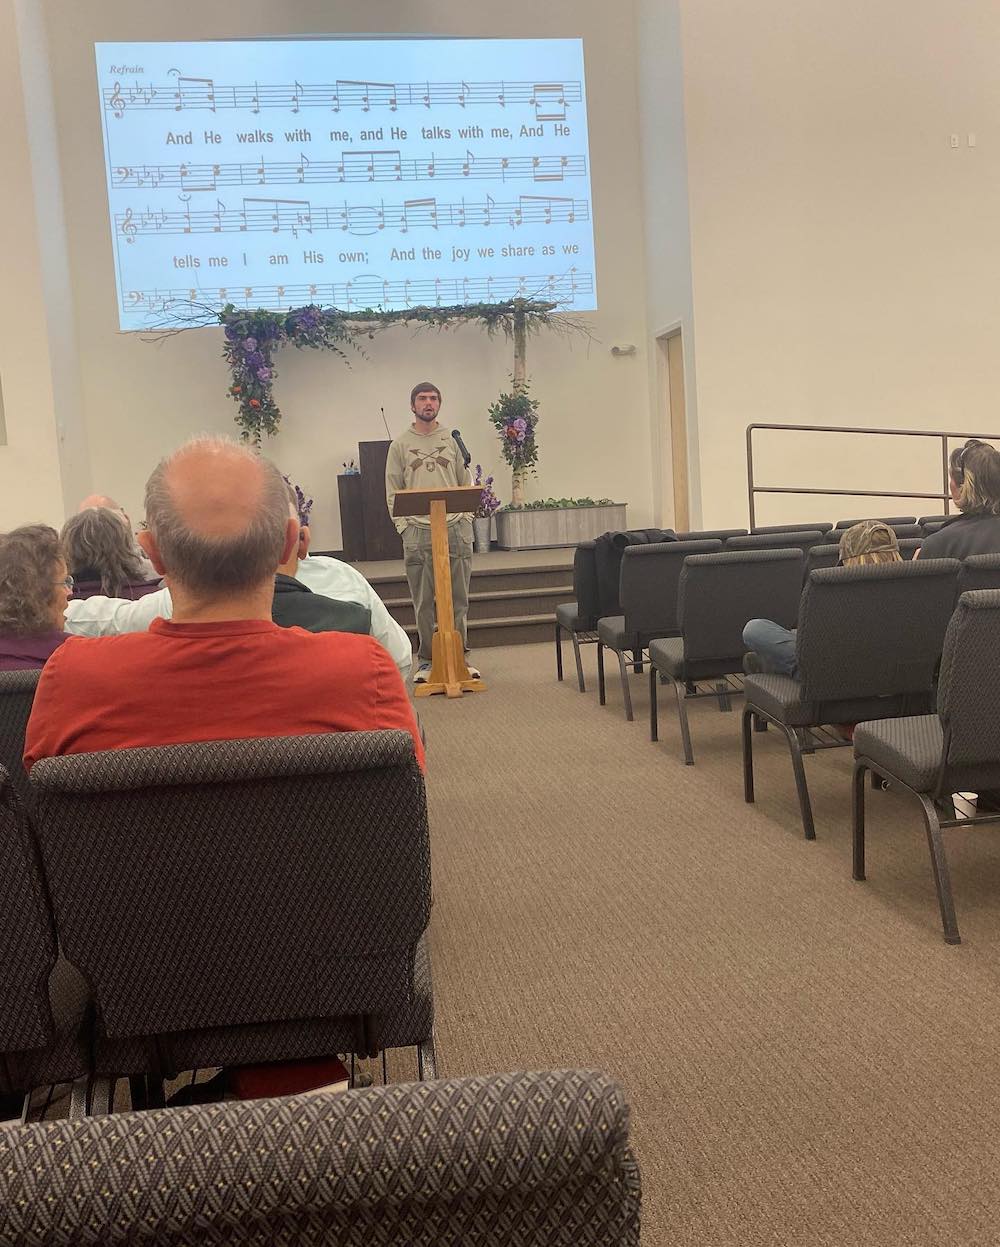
(648, 594)
(822, 527)
(712, 534)
(932, 756)
(718, 594)
(979, 571)
(924, 520)
(801, 539)
(829, 556)
(868, 642)
(243, 901)
(17, 692)
(579, 618)
(891, 520)
(933, 527)
(502, 1160)
(44, 1003)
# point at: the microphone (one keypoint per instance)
(462, 446)
(385, 422)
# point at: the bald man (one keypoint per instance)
(217, 527)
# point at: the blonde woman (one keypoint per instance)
(771, 648)
(975, 486)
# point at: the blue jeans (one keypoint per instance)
(773, 645)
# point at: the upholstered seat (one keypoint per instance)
(909, 747)
(667, 655)
(568, 616)
(782, 697)
(612, 632)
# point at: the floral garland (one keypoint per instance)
(254, 335)
(514, 417)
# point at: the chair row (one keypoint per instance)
(531, 1159)
(226, 903)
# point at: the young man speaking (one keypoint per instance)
(424, 457)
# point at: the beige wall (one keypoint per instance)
(140, 399)
(844, 257)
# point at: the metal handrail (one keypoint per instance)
(945, 496)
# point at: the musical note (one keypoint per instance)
(197, 179)
(464, 93)
(260, 172)
(186, 200)
(220, 209)
(502, 98)
(301, 167)
(467, 163)
(432, 168)
(116, 101)
(128, 226)
(549, 101)
(255, 99)
(425, 99)
(425, 210)
(193, 92)
(296, 96)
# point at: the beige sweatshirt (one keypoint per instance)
(424, 461)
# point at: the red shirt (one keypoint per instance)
(181, 683)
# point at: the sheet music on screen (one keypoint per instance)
(352, 173)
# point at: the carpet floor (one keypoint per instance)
(807, 1062)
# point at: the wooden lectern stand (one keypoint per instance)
(449, 674)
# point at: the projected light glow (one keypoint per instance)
(351, 173)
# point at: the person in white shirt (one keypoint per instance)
(103, 616)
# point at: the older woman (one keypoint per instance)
(102, 556)
(34, 590)
(974, 470)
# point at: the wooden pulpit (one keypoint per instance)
(449, 674)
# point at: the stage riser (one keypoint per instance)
(496, 606)
(391, 588)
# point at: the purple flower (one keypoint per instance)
(254, 360)
(520, 425)
(263, 374)
(250, 344)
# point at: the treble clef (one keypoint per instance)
(128, 226)
(117, 103)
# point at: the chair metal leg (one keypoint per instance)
(101, 1096)
(601, 692)
(78, 1097)
(759, 724)
(559, 666)
(653, 708)
(722, 692)
(858, 819)
(942, 878)
(682, 715)
(579, 663)
(626, 691)
(799, 771)
(637, 661)
(137, 1092)
(426, 1060)
(748, 714)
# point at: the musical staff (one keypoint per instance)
(297, 216)
(550, 100)
(369, 291)
(353, 166)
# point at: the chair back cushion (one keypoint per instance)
(234, 882)
(979, 571)
(522, 1160)
(874, 630)
(969, 693)
(712, 534)
(27, 938)
(650, 578)
(800, 540)
(823, 526)
(585, 588)
(891, 520)
(17, 692)
(720, 593)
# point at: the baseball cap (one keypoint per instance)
(866, 538)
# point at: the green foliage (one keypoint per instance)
(556, 504)
(514, 417)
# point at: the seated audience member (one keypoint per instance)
(218, 525)
(109, 504)
(102, 556)
(34, 590)
(326, 577)
(772, 647)
(296, 606)
(974, 470)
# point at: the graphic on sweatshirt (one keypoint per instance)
(429, 459)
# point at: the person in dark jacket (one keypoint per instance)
(34, 590)
(296, 606)
(974, 470)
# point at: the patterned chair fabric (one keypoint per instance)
(509, 1160)
(17, 692)
(891, 520)
(979, 571)
(823, 527)
(924, 520)
(237, 883)
(43, 1002)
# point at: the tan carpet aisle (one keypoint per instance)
(807, 1061)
